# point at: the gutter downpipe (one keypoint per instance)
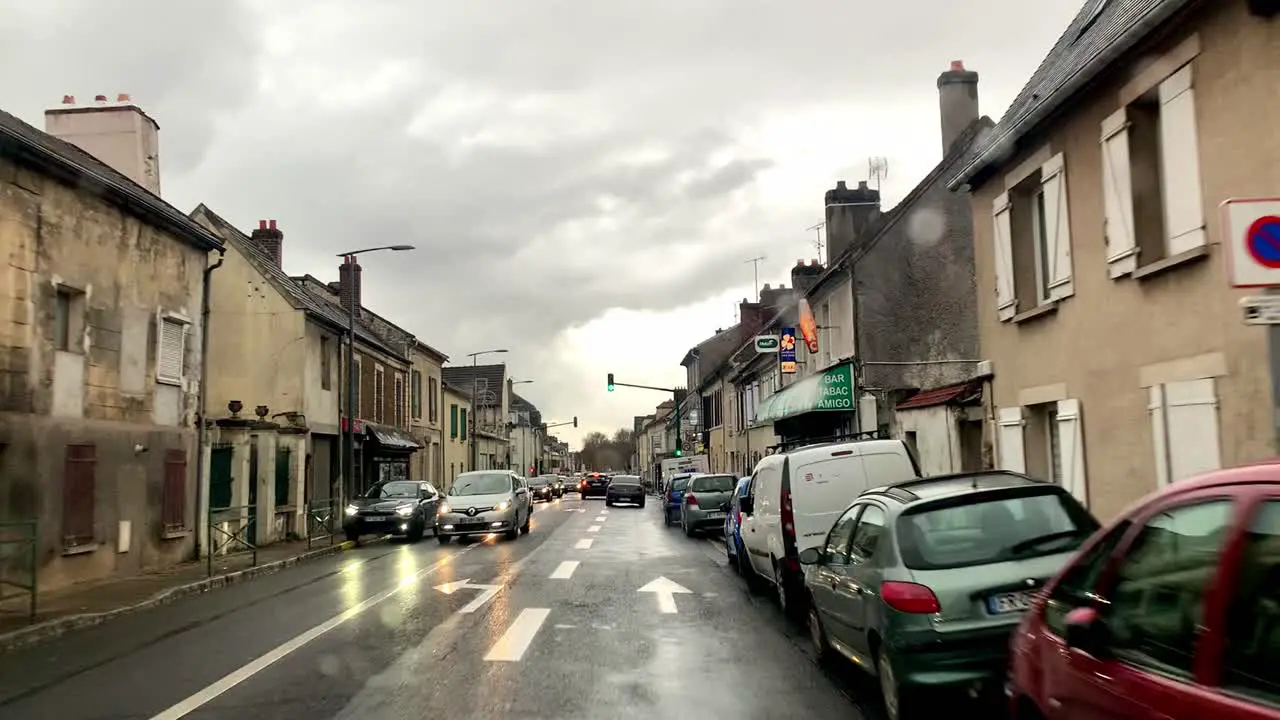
(202, 492)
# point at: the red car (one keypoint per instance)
(1173, 611)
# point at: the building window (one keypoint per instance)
(1032, 241)
(1046, 441)
(78, 489)
(326, 363)
(379, 392)
(415, 394)
(175, 491)
(398, 414)
(68, 319)
(171, 355)
(453, 421)
(1184, 429)
(1152, 192)
(433, 400)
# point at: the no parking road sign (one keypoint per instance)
(1252, 237)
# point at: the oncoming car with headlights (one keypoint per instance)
(482, 502)
(396, 507)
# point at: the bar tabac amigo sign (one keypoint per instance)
(808, 327)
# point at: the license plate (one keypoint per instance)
(715, 515)
(376, 518)
(1005, 603)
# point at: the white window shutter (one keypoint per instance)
(1057, 226)
(1071, 435)
(1180, 165)
(173, 343)
(1191, 421)
(1002, 215)
(1013, 454)
(1159, 434)
(1117, 195)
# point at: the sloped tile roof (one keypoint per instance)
(492, 377)
(959, 393)
(20, 139)
(1102, 32)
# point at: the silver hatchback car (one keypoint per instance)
(482, 502)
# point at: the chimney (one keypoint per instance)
(849, 214)
(804, 277)
(773, 299)
(118, 133)
(349, 283)
(270, 241)
(958, 102)
(751, 316)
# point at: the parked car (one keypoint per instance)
(542, 488)
(701, 505)
(396, 507)
(671, 498)
(922, 582)
(795, 497)
(1173, 611)
(482, 502)
(625, 489)
(593, 485)
(732, 514)
(558, 486)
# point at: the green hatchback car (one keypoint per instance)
(922, 582)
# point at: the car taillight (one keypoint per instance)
(909, 598)
(788, 517)
(693, 499)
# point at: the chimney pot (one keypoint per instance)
(272, 224)
(100, 98)
(813, 262)
(862, 185)
(800, 262)
(765, 287)
(841, 185)
(957, 102)
(68, 99)
(957, 66)
(123, 97)
(262, 224)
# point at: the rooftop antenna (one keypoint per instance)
(755, 273)
(878, 169)
(817, 241)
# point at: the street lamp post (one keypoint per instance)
(475, 445)
(523, 457)
(349, 433)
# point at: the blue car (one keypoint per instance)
(671, 503)
(732, 522)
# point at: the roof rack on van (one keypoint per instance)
(798, 444)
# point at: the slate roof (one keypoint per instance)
(1101, 33)
(519, 404)
(712, 353)
(297, 295)
(492, 376)
(69, 163)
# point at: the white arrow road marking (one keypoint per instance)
(594, 528)
(582, 509)
(666, 591)
(584, 544)
(488, 591)
(262, 662)
(565, 570)
(600, 519)
(517, 639)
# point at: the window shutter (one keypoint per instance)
(453, 421)
(1191, 422)
(1057, 225)
(1012, 452)
(1180, 165)
(1117, 195)
(1002, 214)
(1071, 437)
(173, 336)
(1159, 434)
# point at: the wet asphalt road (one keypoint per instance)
(398, 631)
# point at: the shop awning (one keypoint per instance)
(392, 438)
(831, 390)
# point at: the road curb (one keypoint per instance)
(48, 630)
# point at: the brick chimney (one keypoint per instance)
(804, 277)
(958, 101)
(118, 133)
(751, 317)
(849, 214)
(349, 283)
(270, 240)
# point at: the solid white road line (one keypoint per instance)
(235, 677)
(594, 528)
(517, 639)
(584, 544)
(565, 570)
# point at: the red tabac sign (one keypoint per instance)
(808, 327)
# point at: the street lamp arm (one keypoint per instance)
(397, 248)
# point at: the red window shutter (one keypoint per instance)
(78, 488)
(174, 511)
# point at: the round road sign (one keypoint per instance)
(1262, 240)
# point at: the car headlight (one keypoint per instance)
(352, 509)
(503, 505)
(405, 511)
(444, 509)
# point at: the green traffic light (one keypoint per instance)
(679, 453)
(610, 382)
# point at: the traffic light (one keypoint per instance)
(679, 452)
(575, 421)
(610, 383)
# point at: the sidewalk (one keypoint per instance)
(90, 603)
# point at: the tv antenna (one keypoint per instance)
(878, 169)
(817, 240)
(755, 273)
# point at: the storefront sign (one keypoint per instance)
(828, 391)
(787, 351)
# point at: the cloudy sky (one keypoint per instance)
(584, 179)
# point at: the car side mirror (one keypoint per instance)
(810, 556)
(747, 505)
(1086, 631)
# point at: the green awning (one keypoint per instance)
(831, 390)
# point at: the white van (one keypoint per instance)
(794, 498)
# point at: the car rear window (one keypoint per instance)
(992, 527)
(679, 484)
(714, 483)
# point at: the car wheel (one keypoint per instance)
(444, 539)
(684, 525)
(787, 600)
(524, 529)
(416, 532)
(641, 502)
(889, 690)
(818, 634)
(353, 536)
(608, 502)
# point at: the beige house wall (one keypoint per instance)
(1113, 338)
(457, 452)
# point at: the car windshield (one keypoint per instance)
(993, 530)
(713, 483)
(481, 483)
(394, 489)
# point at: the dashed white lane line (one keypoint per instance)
(604, 512)
(600, 519)
(594, 528)
(517, 639)
(564, 570)
(584, 544)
